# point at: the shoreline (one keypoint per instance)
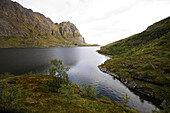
(46, 47)
(130, 84)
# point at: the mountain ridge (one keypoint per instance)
(32, 29)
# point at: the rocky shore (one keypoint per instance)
(130, 84)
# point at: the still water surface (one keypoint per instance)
(83, 62)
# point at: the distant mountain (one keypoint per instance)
(142, 61)
(21, 27)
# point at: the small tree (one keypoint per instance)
(59, 70)
(126, 98)
(60, 76)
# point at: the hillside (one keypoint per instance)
(21, 27)
(33, 94)
(142, 61)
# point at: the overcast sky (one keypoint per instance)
(103, 21)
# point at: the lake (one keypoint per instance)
(83, 62)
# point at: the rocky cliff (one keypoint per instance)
(26, 28)
(69, 30)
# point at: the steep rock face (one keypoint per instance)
(17, 21)
(69, 30)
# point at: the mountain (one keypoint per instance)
(21, 27)
(142, 61)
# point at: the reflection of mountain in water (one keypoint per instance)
(17, 61)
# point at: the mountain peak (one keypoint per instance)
(17, 21)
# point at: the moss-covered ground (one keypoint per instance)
(27, 42)
(30, 94)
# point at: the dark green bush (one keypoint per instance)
(67, 91)
(88, 91)
(8, 99)
(60, 76)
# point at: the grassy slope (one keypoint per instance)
(51, 41)
(144, 58)
(33, 97)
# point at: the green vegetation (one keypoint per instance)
(165, 108)
(59, 71)
(126, 98)
(25, 42)
(88, 91)
(53, 93)
(28, 42)
(143, 58)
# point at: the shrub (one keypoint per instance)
(68, 92)
(165, 108)
(161, 80)
(88, 91)
(53, 84)
(60, 76)
(8, 99)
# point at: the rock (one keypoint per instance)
(67, 29)
(31, 101)
(109, 72)
(81, 39)
(140, 77)
(44, 37)
(17, 21)
(139, 86)
(34, 37)
(131, 84)
(20, 20)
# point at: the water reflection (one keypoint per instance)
(19, 61)
(69, 56)
(83, 62)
